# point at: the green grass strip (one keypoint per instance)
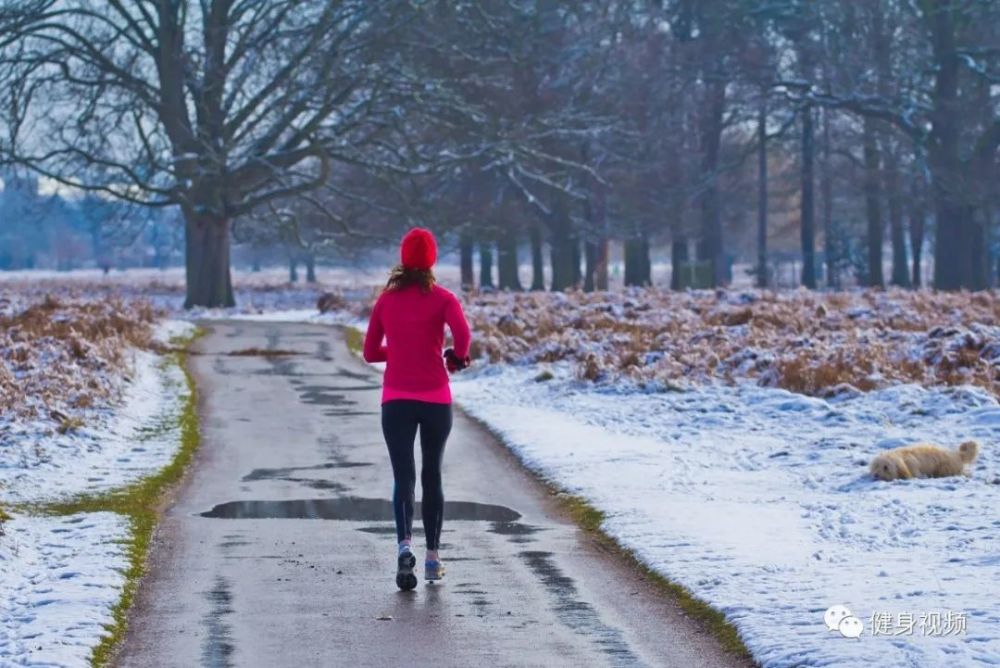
(354, 338)
(140, 502)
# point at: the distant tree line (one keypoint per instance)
(53, 231)
(718, 128)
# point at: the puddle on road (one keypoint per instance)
(284, 473)
(352, 508)
(289, 475)
(391, 529)
(355, 375)
(327, 396)
(323, 395)
(514, 529)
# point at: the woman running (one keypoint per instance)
(410, 315)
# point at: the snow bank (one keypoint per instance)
(116, 445)
(60, 578)
(757, 500)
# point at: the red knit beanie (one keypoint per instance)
(418, 249)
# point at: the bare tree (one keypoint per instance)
(950, 50)
(218, 106)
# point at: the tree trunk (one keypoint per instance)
(897, 235)
(953, 245)
(293, 269)
(596, 250)
(466, 250)
(808, 209)
(678, 258)
(953, 215)
(831, 237)
(601, 266)
(310, 260)
(561, 249)
(507, 262)
(537, 258)
(918, 218)
(209, 283)
(980, 253)
(873, 205)
(576, 273)
(711, 245)
(485, 266)
(637, 264)
(761, 200)
(590, 265)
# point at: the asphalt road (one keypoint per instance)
(279, 548)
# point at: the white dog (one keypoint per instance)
(924, 461)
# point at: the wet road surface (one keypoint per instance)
(279, 548)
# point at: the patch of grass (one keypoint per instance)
(589, 519)
(355, 339)
(140, 502)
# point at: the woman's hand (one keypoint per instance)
(455, 363)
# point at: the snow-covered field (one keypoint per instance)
(757, 500)
(60, 578)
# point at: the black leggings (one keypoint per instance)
(400, 419)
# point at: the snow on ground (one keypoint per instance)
(117, 444)
(60, 578)
(757, 500)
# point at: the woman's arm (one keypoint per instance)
(374, 351)
(460, 334)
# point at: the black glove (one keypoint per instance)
(455, 363)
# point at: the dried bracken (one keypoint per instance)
(809, 342)
(58, 355)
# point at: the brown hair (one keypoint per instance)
(401, 277)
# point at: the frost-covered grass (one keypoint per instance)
(814, 343)
(59, 356)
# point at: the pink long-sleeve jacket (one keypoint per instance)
(412, 323)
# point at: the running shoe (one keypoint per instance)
(405, 578)
(433, 570)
